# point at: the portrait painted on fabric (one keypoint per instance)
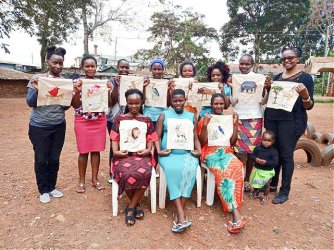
(54, 91)
(94, 95)
(248, 89)
(180, 134)
(132, 135)
(156, 93)
(282, 95)
(220, 130)
(129, 82)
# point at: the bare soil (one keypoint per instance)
(85, 220)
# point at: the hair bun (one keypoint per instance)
(51, 48)
(61, 51)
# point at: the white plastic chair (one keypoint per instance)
(210, 185)
(163, 188)
(153, 188)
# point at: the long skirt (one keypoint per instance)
(249, 134)
(180, 170)
(90, 134)
(229, 178)
(132, 172)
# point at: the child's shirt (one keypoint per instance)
(268, 154)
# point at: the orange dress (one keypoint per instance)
(228, 171)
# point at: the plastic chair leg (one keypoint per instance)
(114, 194)
(199, 186)
(210, 188)
(162, 189)
(153, 187)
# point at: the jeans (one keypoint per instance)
(285, 143)
(47, 144)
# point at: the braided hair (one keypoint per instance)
(87, 57)
(53, 50)
(222, 67)
(298, 51)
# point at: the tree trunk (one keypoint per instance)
(256, 53)
(85, 26)
(44, 44)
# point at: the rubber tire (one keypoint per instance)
(312, 151)
(315, 136)
(327, 139)
(327, 155)
(309, 130)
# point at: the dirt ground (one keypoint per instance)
(85, 220)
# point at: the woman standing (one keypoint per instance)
(289, 126)
(226, 167)
(47, 129)
(180, 166)
(90, 130)
(132, 170)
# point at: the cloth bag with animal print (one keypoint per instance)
(202, 93)
(282, 95)
(156, 93)
(54, 91)
(94, 95)
(220, 130)
(247, 89)
(185, 84)
(180, 134)
(132, 135)
(129, 82)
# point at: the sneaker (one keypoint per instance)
(56, 193)
(280, 199)
(44, 198)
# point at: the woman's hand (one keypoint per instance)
(121, 153)
(146, 82)
(117, 80)
(34, 84)
(267, 83)
(206, 119)
(164, 152)
(77, 85)
(144, 152)
(302, 91)
(235, 118)
(171, 84)
(190, 86)
(109, 86)
(196, 153)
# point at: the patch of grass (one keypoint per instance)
(330, 101)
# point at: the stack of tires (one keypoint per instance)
(315, 157)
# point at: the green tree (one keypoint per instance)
(6, 24)
(51, 21)
(261, 27)
(178, 35)
(276, 90)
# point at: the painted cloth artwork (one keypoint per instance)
(180, 134)
(228, 171)
(247, 88)
(203, 91)
(282, 95)
(132, 135)
(156, 93)
(183, 83)
(220, 130)
(129, 82)
(133, 171)
(94, 95)
(180, 166)
(54, 91)
(249, 134)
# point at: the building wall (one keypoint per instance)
(13, 88)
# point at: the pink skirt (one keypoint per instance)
(90, 134)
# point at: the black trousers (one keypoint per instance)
(285, 143)
(47, 144)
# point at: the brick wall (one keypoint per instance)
(13, 88)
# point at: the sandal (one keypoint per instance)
(255, 194)
(130, 220)
(264, 199)
(139, 213)
(247, 187)
(80, 188)
(181, 227)
(98, 186)
(235, 227)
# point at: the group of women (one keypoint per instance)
(132, 170)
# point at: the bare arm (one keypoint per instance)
(114, 92)
(198, 150)
(234, 136)
(203, 137)
(76, 102)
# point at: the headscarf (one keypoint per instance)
(157, 60)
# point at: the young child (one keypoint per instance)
(266, 158)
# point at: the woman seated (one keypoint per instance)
(180, 165)
(226, 167)
(131, 164)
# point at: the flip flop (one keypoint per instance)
(98, 186)
(139, 213)
(80, 188)
(130, 220)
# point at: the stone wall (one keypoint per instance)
(13, 88)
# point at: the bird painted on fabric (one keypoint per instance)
(221, 130)
(156, 92)
(54, 92)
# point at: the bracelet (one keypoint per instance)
(307, 100)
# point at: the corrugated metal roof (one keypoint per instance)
(10, 74)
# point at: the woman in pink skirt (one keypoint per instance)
(90, 130)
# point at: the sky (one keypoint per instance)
(25, 49)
